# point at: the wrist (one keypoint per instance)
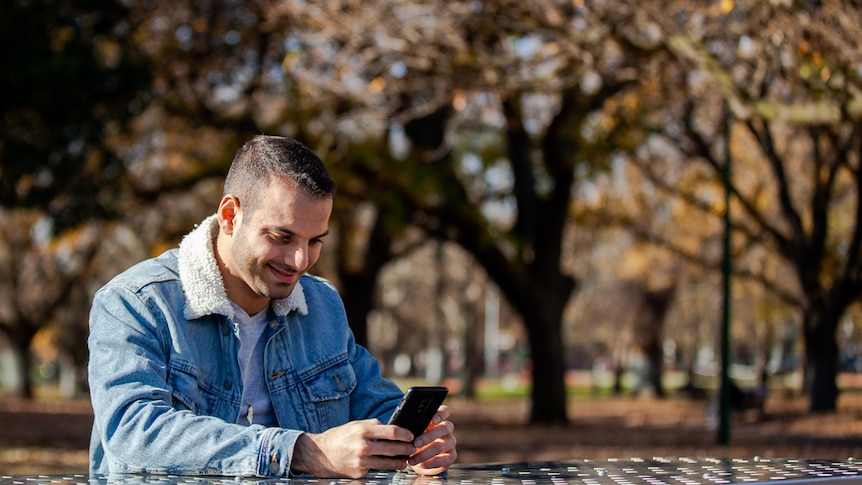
(299, 463)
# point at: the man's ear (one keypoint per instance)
(228, 213)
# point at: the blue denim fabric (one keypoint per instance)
(166, 390)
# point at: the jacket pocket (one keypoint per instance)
(329, 392)
(188, 391)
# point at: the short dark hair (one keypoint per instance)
(266, 156)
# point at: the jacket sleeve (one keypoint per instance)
(136, 428)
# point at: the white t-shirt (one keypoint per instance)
(251, 350)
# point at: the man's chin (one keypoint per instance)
(279, 291)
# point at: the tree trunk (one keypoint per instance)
(823, 389)
(21, 346)
(359, 284)
(358, 296)
(544, 329)
(821, 353)
(549, 389)
(650, 331)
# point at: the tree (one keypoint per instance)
(420, 72)
(790, 79)
(817, 225)
(70, 82)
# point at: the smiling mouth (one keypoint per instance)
(287, 276)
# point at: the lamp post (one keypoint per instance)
(727, 269)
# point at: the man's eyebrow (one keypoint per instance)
(290, 232)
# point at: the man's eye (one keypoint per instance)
(281, 239)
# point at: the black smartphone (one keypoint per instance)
(417, 407)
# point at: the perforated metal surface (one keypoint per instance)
(634, 471)
(678, 471)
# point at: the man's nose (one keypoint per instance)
(298, 257)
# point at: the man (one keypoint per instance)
(224, 357)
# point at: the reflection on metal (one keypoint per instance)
(634, 471)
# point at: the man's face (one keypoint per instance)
(272, 247)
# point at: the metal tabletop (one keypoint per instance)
(633, 471)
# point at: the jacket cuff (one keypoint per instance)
(276, 452)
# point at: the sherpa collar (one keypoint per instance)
(202, 281)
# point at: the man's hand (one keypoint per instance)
(436, 447)
(352, 449)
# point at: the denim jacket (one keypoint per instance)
(165, 380)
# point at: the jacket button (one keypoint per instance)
(228, 385)
(274, 467)
(225, 329)
(273, 324)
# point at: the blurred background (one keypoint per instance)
(536, 198)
